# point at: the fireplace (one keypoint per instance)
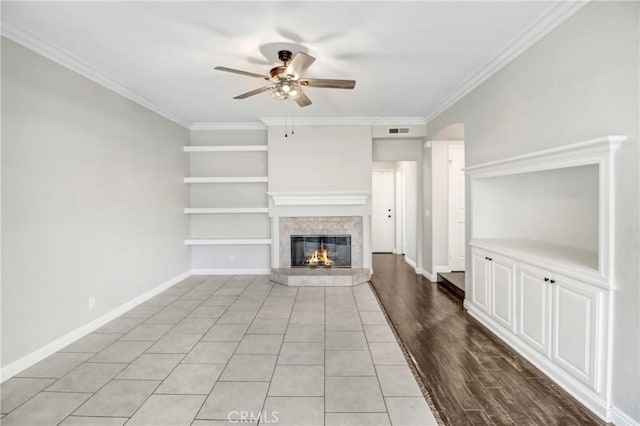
(329, 251)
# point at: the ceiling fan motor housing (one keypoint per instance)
(278, 72)
(284, 56)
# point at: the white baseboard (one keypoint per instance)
(39, 354)
(439, 269)
(411, 262)
(620, 418)
(428, 275)
(224, 271)
(585, 395)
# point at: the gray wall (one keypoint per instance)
(579, 82)
(335, 158)
(92, 200)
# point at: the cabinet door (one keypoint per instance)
(480, 280)
(534, 307)
(576, 318)
(502, 292)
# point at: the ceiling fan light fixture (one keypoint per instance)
(286, 80)
(285, 90)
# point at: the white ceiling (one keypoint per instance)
(406, 56)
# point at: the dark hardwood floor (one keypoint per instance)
(472, 377)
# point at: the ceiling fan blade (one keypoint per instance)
(299, 64)
(302, 99)
(328, 83)
(253, 92)
(247, 73)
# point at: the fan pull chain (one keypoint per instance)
(292, 122)
(286, 109)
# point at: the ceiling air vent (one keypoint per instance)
(398, 130)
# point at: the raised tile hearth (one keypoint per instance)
(323, 277)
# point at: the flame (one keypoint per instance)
(323, 258)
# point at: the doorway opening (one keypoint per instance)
(394, 208)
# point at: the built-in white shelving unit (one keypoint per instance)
(228, 241)
(541, 261)
(227, 148)
(228, 211)
(235, 179)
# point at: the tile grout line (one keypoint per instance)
(168, 332)
(264, 403)
(138, 357)
(184, 355)
(144, 352)
(229, 360)
(324, 292)
(372, 363)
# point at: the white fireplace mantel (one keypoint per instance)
(319, 198)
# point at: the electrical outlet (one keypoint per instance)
(92, 302)
(232, 259)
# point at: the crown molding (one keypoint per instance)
(400, 121)
(75, 64)
(555, 15)
(241, 125)
(345, 121)
(319, 121)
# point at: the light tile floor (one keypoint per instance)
(216, 350)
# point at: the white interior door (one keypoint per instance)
(399, 219)
(456, 208)
(382, 215)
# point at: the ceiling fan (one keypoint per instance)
(287, 80)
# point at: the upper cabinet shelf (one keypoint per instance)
(226, 148)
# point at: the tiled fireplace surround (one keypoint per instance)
(319, 213)
(351, 225)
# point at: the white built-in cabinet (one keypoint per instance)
(492, 278)
(541, 255)
(554, 315)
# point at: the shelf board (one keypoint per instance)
(227, 241)
(239, 179)
(227, 148)
(547, 255)
(225, 210)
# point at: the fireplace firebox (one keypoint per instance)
(329, 251)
